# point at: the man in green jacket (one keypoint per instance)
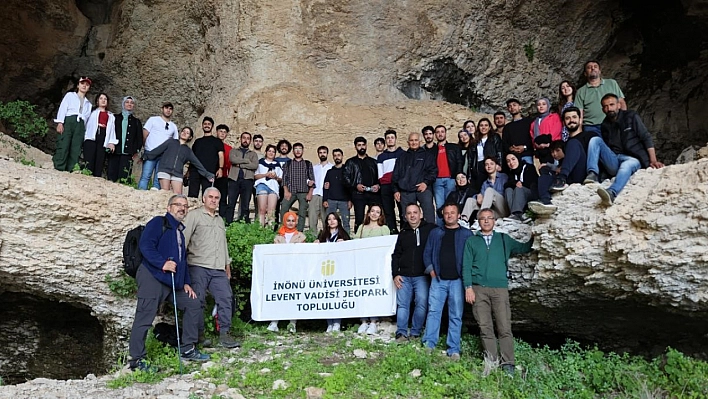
(484, 274)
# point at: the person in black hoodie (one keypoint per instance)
(361, 175)
(413, 177)
(521, 187)
(463, 191)
(409, 275)
(487, 144)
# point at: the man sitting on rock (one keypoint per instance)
(164, 267)
(625, 146)
(572, 158)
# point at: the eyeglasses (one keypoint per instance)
(486, 218)
(167, 125)
(180, 205)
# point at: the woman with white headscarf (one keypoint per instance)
(129, 135)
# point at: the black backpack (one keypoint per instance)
(132, 258)
(166, 333)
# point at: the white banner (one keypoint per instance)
(323, 281)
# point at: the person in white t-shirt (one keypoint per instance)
(156, 131)
(316, 211)
(73, 113)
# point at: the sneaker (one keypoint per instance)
(455, 357)
(591, 178)
(401, 339)
(513, 218)
(225, 341)
(142, 365)
(194, 355)
(429, 350)
(608, 197)
(526, 219)
(508, 369)
(203, 340)
(464, 224)
(329, 329)
(372, 330)
(154, 189)
(336, 327)
(273, 326)
(292, 328)
(363, 327)
(475, 225)
(559, 184)
(540, 208)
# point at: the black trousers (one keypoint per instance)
(239, 190)
(119, 166)
(389, 204)
(95, 153)
(222, 184)
(197, 183)
(360, 201)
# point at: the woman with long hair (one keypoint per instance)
(545, 128)
(566, 96)
(465, 140)
(333, 232)
(100, 130)
(491, 194)
(268, 176)
(486, 144)
(175, 153)
(463, 191)
(521, 187)
(470, 128)
(74, 112)
(287, 234)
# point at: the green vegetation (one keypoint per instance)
(123, 286)
(389, 370)
(529, 50)
(83, 171)
(23, 119)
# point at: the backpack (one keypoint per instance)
(166, 333)
(132, 257)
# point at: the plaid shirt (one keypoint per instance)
(296, 174)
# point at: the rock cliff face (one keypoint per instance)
(284, 68)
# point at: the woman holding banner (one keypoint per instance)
(287, 234)
(374, 226)
(334, 233)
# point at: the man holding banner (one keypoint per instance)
(443, 257)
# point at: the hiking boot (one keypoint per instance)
(455, 357)
(292, 328)
(559, 184)
(372, 330)
(608, 197)
(142, 365)
(225, 341)
(414, 337)
(591, 178)
(194, 355)
(401, 339)
(540, 208)
(273, 326)
(363, 327)
(203, 340)
(508, 369)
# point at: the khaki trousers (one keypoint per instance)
(493, 303)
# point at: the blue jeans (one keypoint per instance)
(149, 166)
(441, 189)
(418, 286)
(528, 159)
(452, 292)
(618, 165)
(593, 128)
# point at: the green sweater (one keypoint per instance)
(487, 266)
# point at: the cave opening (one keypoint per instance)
(442, 80)
(45, 338)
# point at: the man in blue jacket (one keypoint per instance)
(162, 245)
(443, 259)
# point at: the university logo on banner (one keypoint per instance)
(323, 281)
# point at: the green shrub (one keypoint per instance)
(23, 119)
(123, 286)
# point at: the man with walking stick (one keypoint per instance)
(163, 274)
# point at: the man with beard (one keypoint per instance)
(361, 175)
(499, 122)
(298, 184)
(258, 149)
(429, 138)
(588, 97)
(572, 157)
(516, 138)
(317, 211)
(386, 161)
(156, 131)
(625, 146)
(284, 147)
(335, 196)
(209, 150)
(450, 162)
(244, 163)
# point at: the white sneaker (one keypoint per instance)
(372, 330)
(335, 327)
(273, 326)
(329, 329)
(475, 225)
(362, 328)
(154, 189)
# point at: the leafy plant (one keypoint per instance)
(529, 50)
(129, 180)
(123, 286)
(23, 118)
(83, 171)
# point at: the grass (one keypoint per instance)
(388, 370)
